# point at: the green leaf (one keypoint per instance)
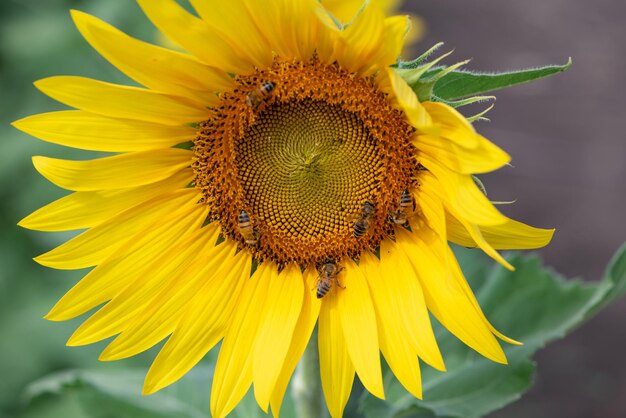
(532, 304)
(461, 83)
(117, 394)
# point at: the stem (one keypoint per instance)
(307, 386)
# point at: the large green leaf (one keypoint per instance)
(117, 394)
(532, 304)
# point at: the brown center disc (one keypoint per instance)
(302, 160)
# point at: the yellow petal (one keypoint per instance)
(155, 67)
(362, 40)
(112, 318)
(162, 313)
(336, 368)
(87, 209)
(358, 320)
(408, 297)
(282, 309)
(477, 236)
(117, 172)
(415, 112)
(292, 37)
(202, 326)
(392, 332)
(301, 336)
(233, 371)
(224, 16)
(128, 261)
(456, 143)
(460, 192)
(195, 36)
(444, 297)
(484, 158)
(394, 33)
(79, 129)
(94, 246)
(460, 279)
(119, 101)
(346, 10)
(511, 235)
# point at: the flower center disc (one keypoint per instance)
(304, 161)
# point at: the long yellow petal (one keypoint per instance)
(484, 158)
(511, 235)
(123, 102)
(395, 30)
(361, 40)
(155, 67)
(392, 332)
(278, 321)
(117, 172)
(82, 210)
(459, 192)
(129, 261)
(247, 39)
(408, 297)
(202, 326)
(195, 35)
(293, 37)
(336, 367)
(478, 238)
(112, 318)
(456, 143)
(162, 313)
(444, 297)
(457, 273)
(404, 94)
(358, 320)
(94, 246)
(233, 371)
(84, 130)
(345, 10)
(301, 336)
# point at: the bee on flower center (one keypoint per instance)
(256, 97)
(362, 223)
(247, 229)
(406, 205)
(328, 275)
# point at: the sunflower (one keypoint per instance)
(277, 175)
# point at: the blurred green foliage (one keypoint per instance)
(37, 40)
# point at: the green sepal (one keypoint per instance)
(462, 83)
(454, 86)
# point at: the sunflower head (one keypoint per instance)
(309, 160)
(318, 190)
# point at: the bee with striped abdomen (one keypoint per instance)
(256, 97)
(328, 273)
(406, 205)
(247, 229)
(362, 223)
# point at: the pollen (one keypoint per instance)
(302, 158)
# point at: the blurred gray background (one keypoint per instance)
(566, 136)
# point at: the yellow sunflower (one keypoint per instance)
(277, 175)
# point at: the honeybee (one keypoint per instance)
(362, 223)
(256, 97)
(406, 204)
(247, 229)
(328, 273)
